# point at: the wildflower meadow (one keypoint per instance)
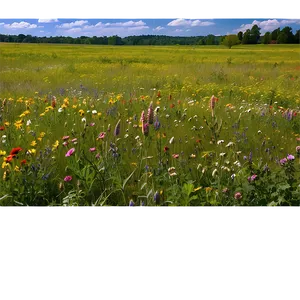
(149, 125)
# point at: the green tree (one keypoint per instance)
(254, 34)
(240, 36)
(267, 38)
(282, 38)
(297, 37)
(231, 40)
(275, 34)
(246, 37)
(289, 34)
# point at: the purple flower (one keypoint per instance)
(131, 203)
(117, 128)
(150, 113)
(145, 129)
(68, 178)
(156, 197)
(283, 161)
(290, 157)
(70, 152)
(156, 124)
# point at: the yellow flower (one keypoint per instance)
(42, 114)
(81, 112)
(4, 165)
(17, 169)
(134, 164)
(18, 124)
(208, 189)
(198, 188)
(33, 144)
(4, 175)
(39, 138)
(74, 106)
(42, 134)
(99, 114)
(2, 153)
(32, 151)
(64, 105)
(6, 124)
(55, 145)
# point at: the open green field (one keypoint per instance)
(240, 148)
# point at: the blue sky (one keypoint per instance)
(126, 27)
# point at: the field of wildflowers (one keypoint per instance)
(169, 126)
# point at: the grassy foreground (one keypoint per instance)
(73, 131)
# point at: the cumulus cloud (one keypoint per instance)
(267, 25)
(72, 24)
(189, 23)
(47, 20)
(118, 28)
(158, 28)
(20, 25)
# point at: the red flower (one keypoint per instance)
(2, 128)
(23, 162)
(170, 97)
(198, 141)
(158, 94)
(166, 149)
(9, 158)
(172, 105)
(15, 151)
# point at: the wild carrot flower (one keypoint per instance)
(117, 128)
(238, 196)
(70, 152)
(68, 178)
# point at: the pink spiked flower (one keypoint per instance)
(150, 113)
(70, 152)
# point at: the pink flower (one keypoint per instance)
(92, 124)
(175, 155)
(70, 152)
(238, 196)
(68, 178)
(101, 135)
(97, 156)
(93, 149)
(66, 137)
(74, 140)
(65, 143)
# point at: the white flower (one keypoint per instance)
(229, 144)
(259, 131)
(3, 137)
(220, 142)
(137, 137)
(232, 176)
(28, 123)
(83, 120)
(215, 171)
(171, 140)
(167, 116)
(126, 136)
(237, 163)
(94, 112)
(222, 154)
(60, 110)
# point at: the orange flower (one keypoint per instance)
(9, 158)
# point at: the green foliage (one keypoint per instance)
(231, 40)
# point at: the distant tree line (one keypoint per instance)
(115, 40)
(250, 36)
(277, 36)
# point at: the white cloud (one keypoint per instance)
(20, 25)
(47, 20)
(189, 23)
(178, 30)
(72, 24)
(158, 28)
(99, 29)
(2, 24)
(268, 25)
